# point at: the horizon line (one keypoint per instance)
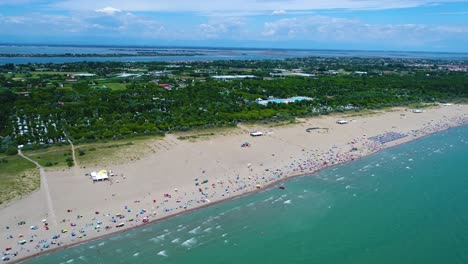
(217, 47)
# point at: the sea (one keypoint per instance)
(406, 204)
(196, 54)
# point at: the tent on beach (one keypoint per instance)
(100, 175)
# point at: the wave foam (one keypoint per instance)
(190, 242)
(195, 230)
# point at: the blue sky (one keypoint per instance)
(420, 25)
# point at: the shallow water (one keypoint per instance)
(407, 204)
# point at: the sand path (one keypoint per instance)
(44, 188)
(75, 161)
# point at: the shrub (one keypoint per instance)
(69, 161)
(12, 151)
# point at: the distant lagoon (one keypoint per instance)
(196, 54)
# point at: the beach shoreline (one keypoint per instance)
(462, 116)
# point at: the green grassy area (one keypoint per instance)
(18, 177)
(51, 72)
(114, 152)
(54, 157)
(115, 86)
(273, 122)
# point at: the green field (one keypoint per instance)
(54, 157)
(51, 73)
(18, 177)
(116, 86)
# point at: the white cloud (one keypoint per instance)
(13, 19)
(230, 27)
(324, 28)
(279, 12)
(266, 6)
(95, 23)
(108, 10)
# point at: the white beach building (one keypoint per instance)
(256, 134)
(100, 175)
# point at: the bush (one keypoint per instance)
(69, 161)
(81, 152)
(12, 151)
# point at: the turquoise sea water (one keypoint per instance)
(407, 204)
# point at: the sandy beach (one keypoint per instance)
(181, 175)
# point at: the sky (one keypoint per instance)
(407, 25)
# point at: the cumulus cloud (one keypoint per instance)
(323, 28)
(97, 23)
(230, 27)
(108, 10)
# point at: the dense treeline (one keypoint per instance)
(146, 108)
